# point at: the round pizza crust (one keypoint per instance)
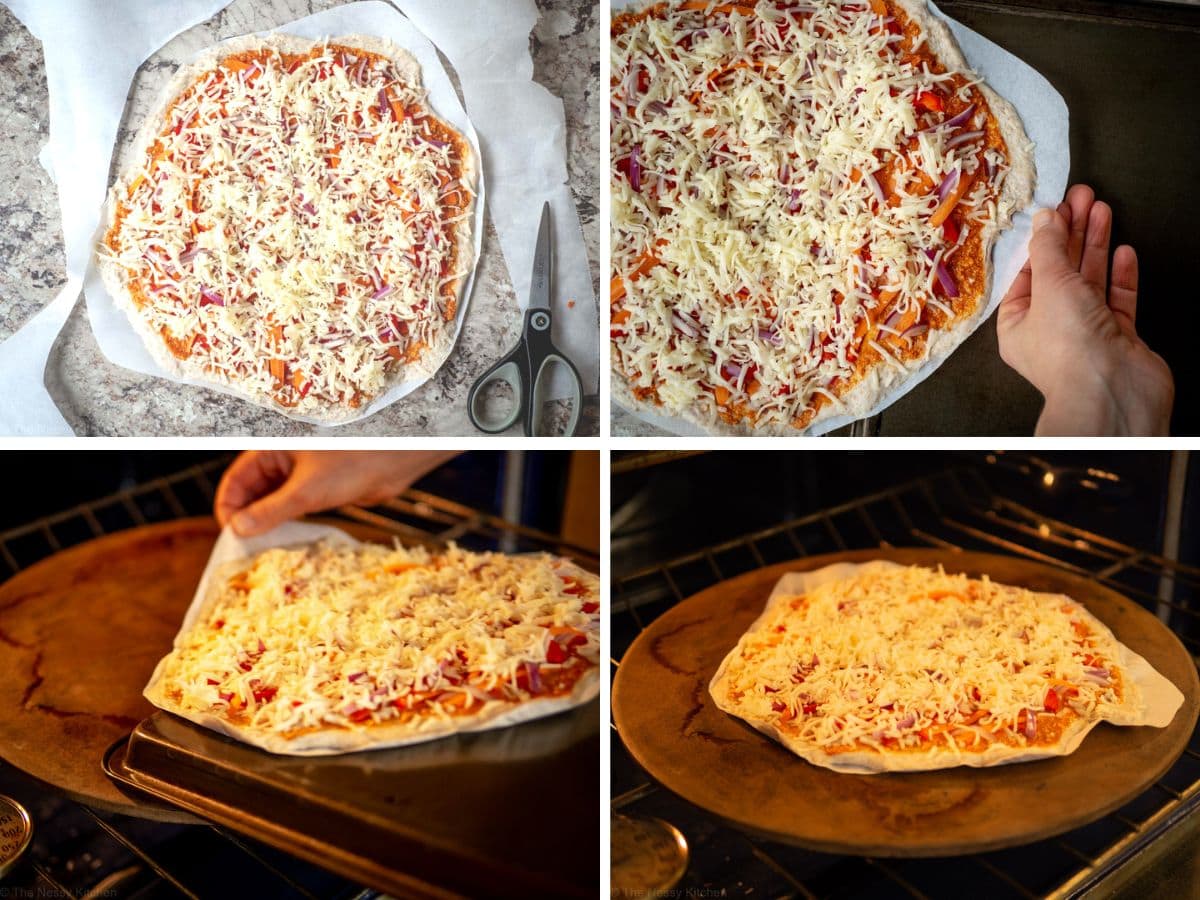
(116, 279)
(875, 389)
(366, 736)
(1150, 699)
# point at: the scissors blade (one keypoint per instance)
(539, 285)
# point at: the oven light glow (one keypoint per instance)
(1048, 479)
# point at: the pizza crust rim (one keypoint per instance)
(369, 737)
(876, 387)
(1151, 699)
(116, 280)
(383, 736)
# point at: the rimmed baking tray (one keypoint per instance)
(508, 812)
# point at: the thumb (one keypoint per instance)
(277, 507)
(1049, 256)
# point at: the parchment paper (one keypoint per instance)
(93, 51)
(230, 548)
(113, 330)
(1044, 114)
(1161, 699)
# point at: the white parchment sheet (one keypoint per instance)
(92, 54)
(1044, 114)
(230, 548)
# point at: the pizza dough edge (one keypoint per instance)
(1157, 702)
(116, 281)
(386, 735)
(882, 379)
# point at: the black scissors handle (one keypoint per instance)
(523, 369)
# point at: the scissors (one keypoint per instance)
(526, 364)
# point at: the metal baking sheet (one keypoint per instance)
(500, 813)
(669, 723)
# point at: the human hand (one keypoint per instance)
(265, 488)
(1072, 334)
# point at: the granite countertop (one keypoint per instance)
(100, 398)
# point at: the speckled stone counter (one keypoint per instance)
(99, 398)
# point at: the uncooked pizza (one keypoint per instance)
(805, 196)
(890, 668)
(295, 224)
(328, 648)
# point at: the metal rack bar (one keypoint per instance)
(245, 848)
(649, 458)
(136, 850)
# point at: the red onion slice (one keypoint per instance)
(954, 122)
(356, 676)
(794, 202)
(635, 169)
(685, 326)
(210, 298)
(382, 292)
(962, 117)
(770, 336)
(876, 190)
(945, 279)
(1030, 724)
(963, 138)
(732, 371)
(533, 671)
(948, 184)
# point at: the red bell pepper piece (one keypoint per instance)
(931, 100)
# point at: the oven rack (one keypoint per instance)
(952, 509)
(79, 852)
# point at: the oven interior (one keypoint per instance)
(683, 522)
(80, 852)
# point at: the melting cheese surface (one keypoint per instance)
(298, 228)
(908, 659)
(799, 192)
(330, 636)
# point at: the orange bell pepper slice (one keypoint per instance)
(947, 206)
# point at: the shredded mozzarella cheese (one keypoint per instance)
(330, 636)
(773, 177)
(913, 658)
